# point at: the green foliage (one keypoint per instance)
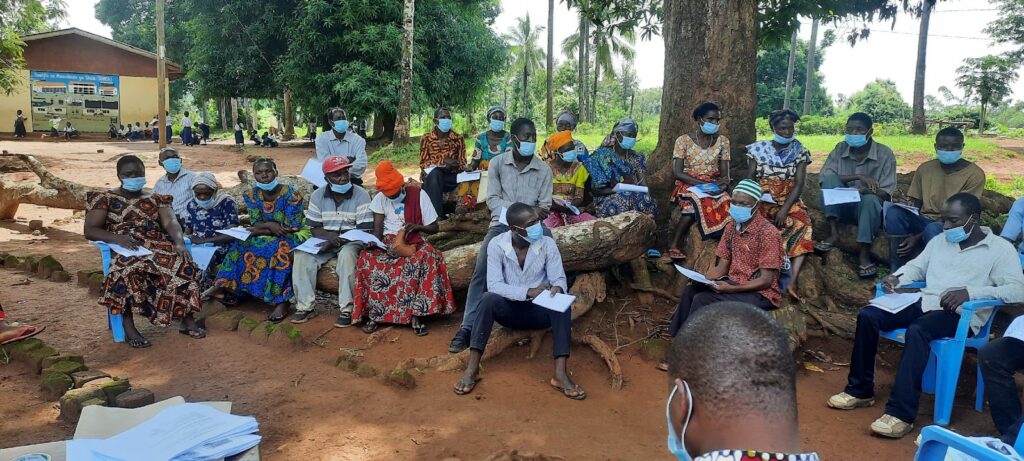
(527, 56)
(882, 101)
(772, 67)
(987, 79)
(23, 17)
(1008, 28)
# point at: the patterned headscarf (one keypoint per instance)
(209, 180)
(625, 125)
(555, 142)
(496, 108)
(567, 116)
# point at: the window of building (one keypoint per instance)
(83, 88)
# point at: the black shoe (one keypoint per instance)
(460, 342)
(303, 316)
(344, 320)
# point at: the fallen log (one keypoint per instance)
(585, 246)
(51, 191)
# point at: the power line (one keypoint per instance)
(932, 35)
(966, 11)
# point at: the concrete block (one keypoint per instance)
(82, 377)
(224, 321)
(134, 398)
(73, 401)
(54, 385)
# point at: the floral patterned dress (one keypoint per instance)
(711, 213)
(204, 223)
(162, 286)
(606, 168)
(776, 172)
(481, 151)
(261, 266)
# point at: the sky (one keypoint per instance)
(890, 53)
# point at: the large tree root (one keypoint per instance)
(608, 355)
(51, 191)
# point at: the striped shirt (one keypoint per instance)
(351, 213)
(543, 266)
(506, 184)
(180, 189)
(352, 146)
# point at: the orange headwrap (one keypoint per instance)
(389, 180)
(557, 140)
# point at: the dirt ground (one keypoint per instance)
(308, 409)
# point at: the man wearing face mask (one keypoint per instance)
(522, 264)
(340, 141)
(715, 409)
(515, 176)
(862, 163)
(934, 182)
(749, 260)
(332, 210)
(177, 182)
(969, 263)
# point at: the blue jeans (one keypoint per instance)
(999, 360)
(899, 224)
(478, 284)
(866, 214)
(521, 315)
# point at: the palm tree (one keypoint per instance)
(917, 122)
(527, 57)
(549, 110)
(987, 79)
(606, 42)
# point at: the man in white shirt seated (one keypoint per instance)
(343, 142)
(521, 264)
(970, 262)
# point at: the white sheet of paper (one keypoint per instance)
(140, 251)
(702, 190)
(558, 303)
(202, 254)
(840, 195)
(502, 216)
(314, 172)
(767, 198)
(895, 302)
(471, 176)
(357, 235)
(81, 449)
(887, 205)
(693, 275)
(1016, 329)
(239, 233)
(310, 245)
(567, 204)
(428, 169)
(623, 187)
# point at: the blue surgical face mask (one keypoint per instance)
(740, 214)
(627, 142)
(856, 140)
(958, 234)
(267, 186)
(527, 149)
(341, 188)
(677, 444)
(444, 124)
(948, 157)
(341, 126)
(709, 128)
(172, 165)
(399, 200)
(206, 203)
(570, 156)
(497, 125)
(534, 233)
(133, 184)
(783, 140)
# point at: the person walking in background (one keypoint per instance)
(19, 125)
(204, 128)
(311, 133)
(239, 134)
(186, 130)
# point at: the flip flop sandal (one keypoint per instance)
(420, 330)
(867, 272)
(34, 331)
(370, 327)
(462, 384)
(139, 343)
(580, 393)
(276, 319)
(824, 246)
(198, 333)
(676, 255)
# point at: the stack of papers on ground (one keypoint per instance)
(311, 245)
(239, 233)
(189, 431)
(706, 190)
(202, 254)
(840, 195)
(623, 187)
(356, 235)
(470, 176)
(895, 302)
(560, 302)
(314, 172)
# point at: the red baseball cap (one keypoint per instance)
(337, 163)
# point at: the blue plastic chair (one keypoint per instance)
(115, 321)
(943, 370)
(936, 440)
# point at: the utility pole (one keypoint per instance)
(809, 81)
(789, 74)
(161, 75)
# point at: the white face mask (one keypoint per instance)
(677, 445)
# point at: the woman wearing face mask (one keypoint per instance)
(208, 212)
(616, 162)
(565, 121)
(700, 158)
(261, 265)
(162, 286)
(443, 152)
(570, 182)
(409, 280)
(780, 166)
(487, 145)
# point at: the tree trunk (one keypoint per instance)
(234, 112)
(51, 191)
(222, 107)
(809, 80)
(597, 75)
(387, 126)
(585, 247)
(917, 121)
(289, 116)
(581, 92)
(699, 50)
(526, 90)
(378, 126)
(401, 133)
(789, 73)
(585, 65)
(981, 120)
(549, 114)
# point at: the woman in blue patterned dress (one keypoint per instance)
(209, 212)
(616, 162)
(261, 266)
